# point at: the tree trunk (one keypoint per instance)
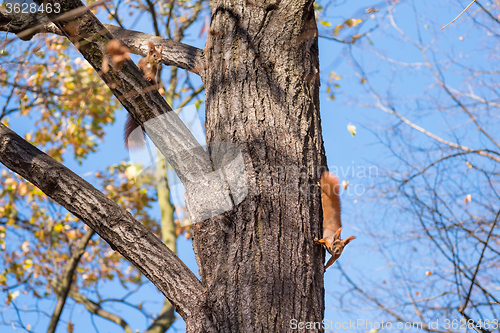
(259, 266)
(258, 263)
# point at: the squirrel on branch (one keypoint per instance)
(332, 226)
(149, 67)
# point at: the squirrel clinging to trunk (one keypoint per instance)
(149, 67)
(332, 226)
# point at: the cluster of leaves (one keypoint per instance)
(347, 32)
(50, 234)
(66, 108)
(68, 104)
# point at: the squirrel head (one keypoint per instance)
(337, 246)
(154, 55)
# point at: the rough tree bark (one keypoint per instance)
(259, 265)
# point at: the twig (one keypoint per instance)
(462, 308)
(463, 11)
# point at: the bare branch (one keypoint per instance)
(463, 11)
(462, 309)
(96, 309)
(63, 284)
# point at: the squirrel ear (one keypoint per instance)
(337, 234)
(151, 45)
(161, 49)
(348, 240)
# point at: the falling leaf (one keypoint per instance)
(14, 295)
(131, 172)
(468, 198)
(428, 273)
(469, 165)
(25, 246)
(345, 183)
(352, 129)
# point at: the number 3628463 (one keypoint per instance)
(25, 8)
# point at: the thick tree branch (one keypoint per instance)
(114, 224)
(184, 56)
(174, 140)
(63, 284)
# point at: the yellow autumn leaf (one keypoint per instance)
(14, 295)
(71, 128)
(352, 129)
(28, 263)
(131, 172)
(334, 76)
(356, 22)
(58, 227)
(25, 246)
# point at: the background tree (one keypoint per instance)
(434, 229)
(260, 71)
(75, 113)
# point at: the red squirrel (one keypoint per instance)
(332, 226)
(149, 67)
